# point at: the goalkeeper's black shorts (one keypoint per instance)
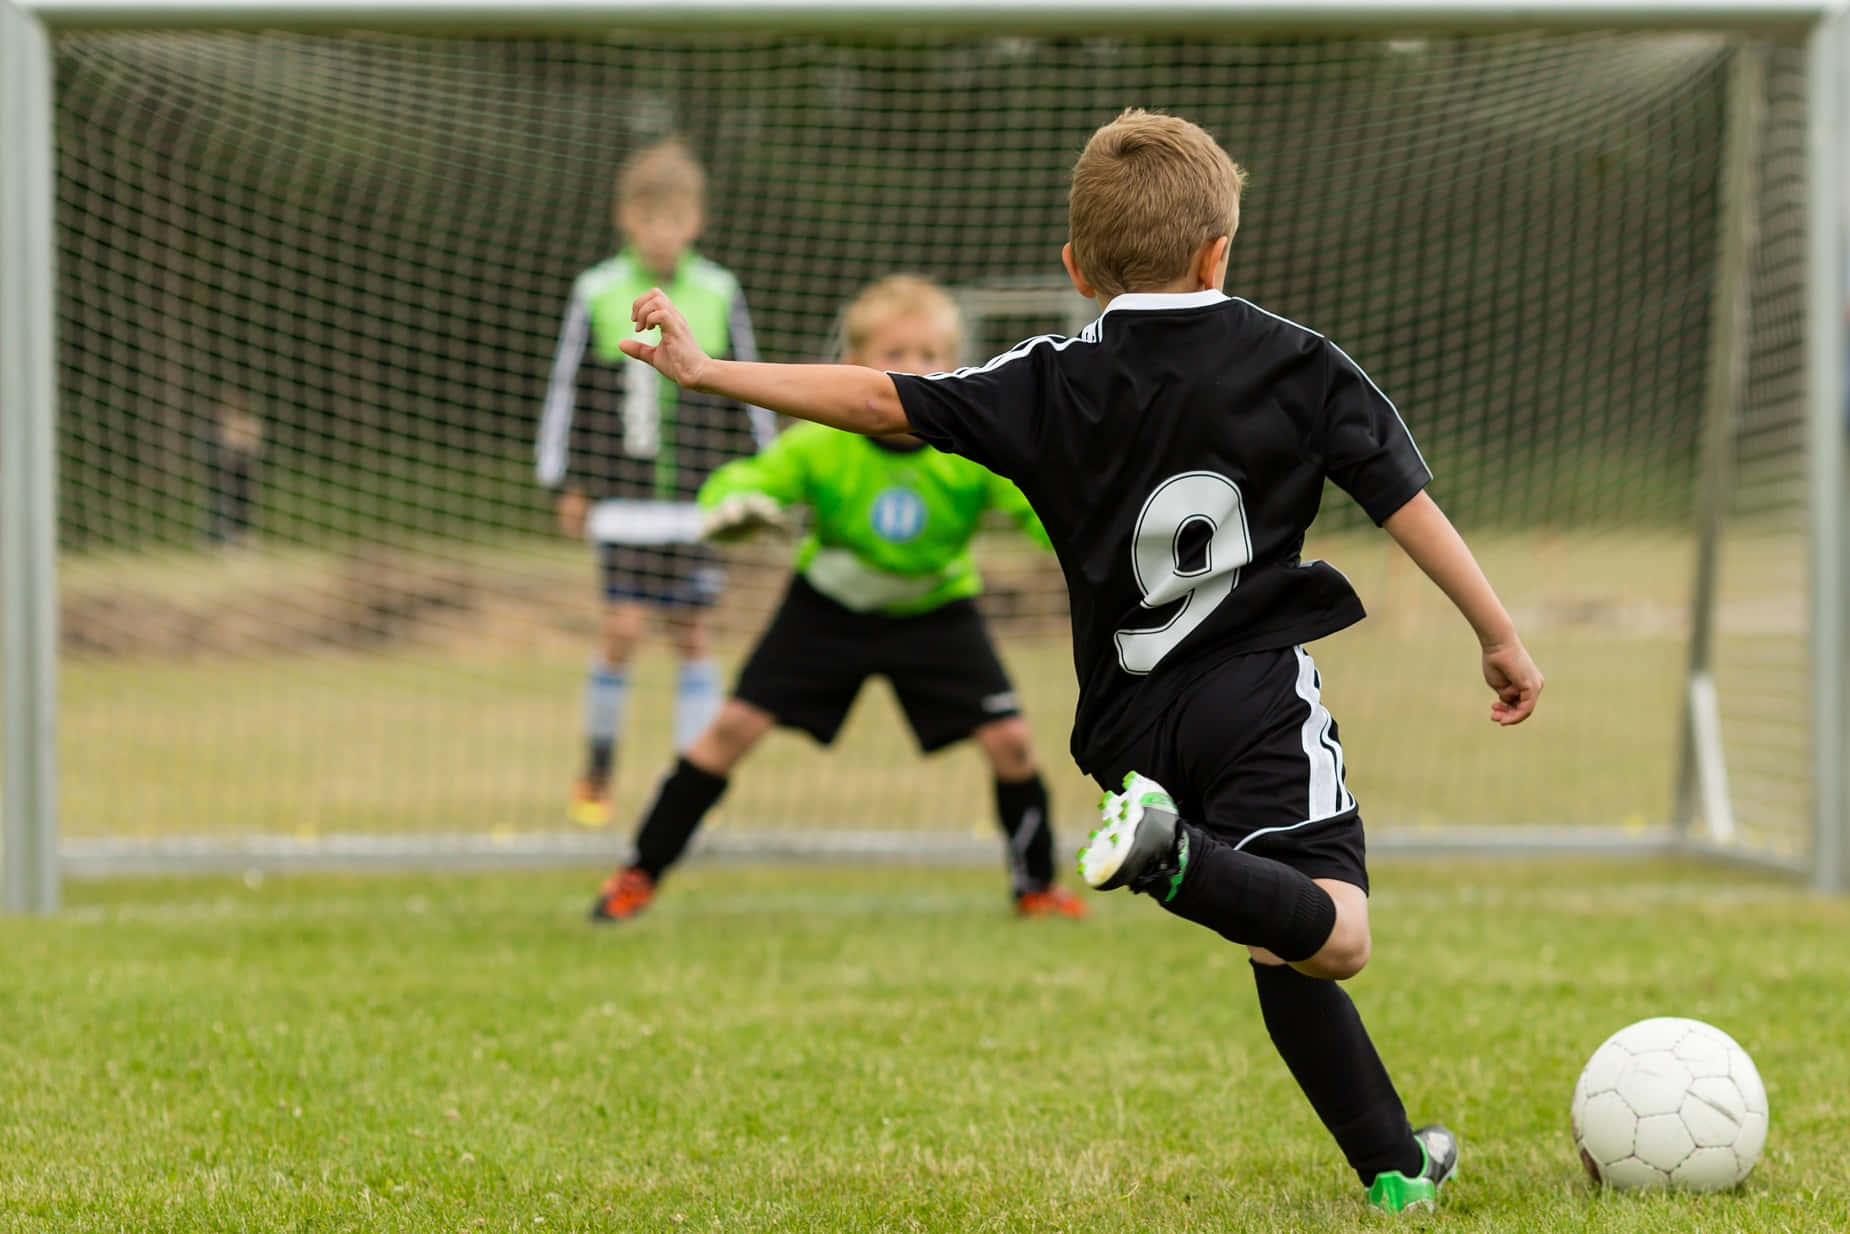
(811, 660)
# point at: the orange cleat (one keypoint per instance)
(1050, 902)
(626, 893)
(590, 805)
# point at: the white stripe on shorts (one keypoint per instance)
(1326, 795)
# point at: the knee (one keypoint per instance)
(735, 725)
(1345, 952)
(1343, 956)
(689, 635)
(1010, 747)
(731, 735)
(620, 632)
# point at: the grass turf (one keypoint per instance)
(845, 1050)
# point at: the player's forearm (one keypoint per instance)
(844, 396)
(1422, 530)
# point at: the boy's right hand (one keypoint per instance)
(677, 356)
(1512, 674)
(572, 508)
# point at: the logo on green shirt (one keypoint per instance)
(897, 515)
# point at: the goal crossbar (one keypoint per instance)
(1148, 16)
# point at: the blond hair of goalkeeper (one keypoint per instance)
(903, 323)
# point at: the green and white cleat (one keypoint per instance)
(1141, 843)
(1394, 1192)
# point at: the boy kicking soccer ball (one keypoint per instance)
(1176, 451)
(884, 585)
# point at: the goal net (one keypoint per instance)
(310, 289)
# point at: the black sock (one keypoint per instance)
(1253, 901)
(603, 758)
(1021, 808)
(685, 796)
(1320, 1036)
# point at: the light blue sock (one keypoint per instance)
(606, 697)
(696, 701)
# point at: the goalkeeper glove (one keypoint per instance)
(742, 516)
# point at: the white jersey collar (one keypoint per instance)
(1144, 301)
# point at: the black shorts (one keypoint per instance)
(810, 663)
(1250, 753)
(669, 575)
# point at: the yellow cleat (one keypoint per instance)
(590, 805)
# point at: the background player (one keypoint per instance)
(626, 451)
(1177, 451)
(884, 585)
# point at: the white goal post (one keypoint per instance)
(1718, 796)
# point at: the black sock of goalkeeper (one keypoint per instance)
(1021, 808)
(1320, 1036)
(685, 796)
(1247, 899)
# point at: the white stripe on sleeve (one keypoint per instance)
(745, 347)
(561, 391)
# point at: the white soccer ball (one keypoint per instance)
(1669, 1103)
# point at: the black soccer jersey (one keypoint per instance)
(1176, 451)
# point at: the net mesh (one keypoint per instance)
(1763, 659)
(312, 286)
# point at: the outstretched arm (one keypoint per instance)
(1421, 528)
(844, 396)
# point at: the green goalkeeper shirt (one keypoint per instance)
(892, 524)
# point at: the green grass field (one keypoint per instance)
(821, 1049)
(843, 1050)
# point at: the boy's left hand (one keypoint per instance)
(677, 356)
(1512, 674)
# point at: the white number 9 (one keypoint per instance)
(1156, 557)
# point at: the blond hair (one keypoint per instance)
(1148, 191)
(898, 295)
(664, 175)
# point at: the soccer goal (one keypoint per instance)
(282, 286)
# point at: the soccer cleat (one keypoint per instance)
(1141, 844)
(1049, 902)
(590, 805)
(625, 894)
(1394, 1192)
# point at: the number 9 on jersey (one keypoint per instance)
(1173, 510)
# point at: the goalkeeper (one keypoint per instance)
(885, 585)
